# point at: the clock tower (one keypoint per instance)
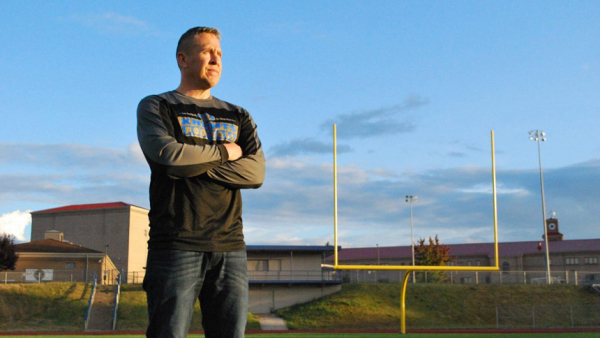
(552, 229)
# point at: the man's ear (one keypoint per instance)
(182, 60)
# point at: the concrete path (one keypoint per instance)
(269, 321)
(102, 309)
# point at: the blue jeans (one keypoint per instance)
(175, 279)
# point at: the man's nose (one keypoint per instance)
(215, 59)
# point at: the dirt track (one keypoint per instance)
(115, 333)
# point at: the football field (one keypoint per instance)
(359, 335)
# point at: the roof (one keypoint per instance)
(52, 246)
(476, 249)
(288, 248)
(96, 206)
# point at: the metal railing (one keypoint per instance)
(88, 311)
(296, 276)
(351, 276)
(73, 276)
(116, 307)
(109, 277)
(474, 277)
(281, 275)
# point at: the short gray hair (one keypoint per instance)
(186, 42)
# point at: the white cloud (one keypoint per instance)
(135, 152)
(14, 223)
(376, 122)
(115, 23)
(295, 205)
(487, 189)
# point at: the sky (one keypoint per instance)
(414, 87)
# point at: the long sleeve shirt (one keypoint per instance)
(195, 201)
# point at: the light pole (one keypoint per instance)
(410, 199)
(378, 262)
(540, 136)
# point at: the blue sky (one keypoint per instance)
(414, 86)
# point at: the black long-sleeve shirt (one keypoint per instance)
(195, 202)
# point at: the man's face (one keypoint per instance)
(203, 64)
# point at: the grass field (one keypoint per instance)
(441, 306)
(60, 307)
(370, 335)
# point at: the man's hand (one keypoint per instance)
(234, 151)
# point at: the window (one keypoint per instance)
(572, 260)
(506, 266)
(274, 264)
(70, 265)
(258, 264)
(466, 280)
(469, 263)
(478, 263)
(590, 260)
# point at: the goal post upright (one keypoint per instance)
(338, 266)
(335, 199)
(411, 269)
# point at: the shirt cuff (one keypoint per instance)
(224, 153)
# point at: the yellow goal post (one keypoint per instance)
(338, 266)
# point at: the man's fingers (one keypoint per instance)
(234, 151)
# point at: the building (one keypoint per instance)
(280, 276)
(118, 229)
(571, 261)
(284, 275)
(51, 259)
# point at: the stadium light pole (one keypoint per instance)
(540, 136)
(410, 199)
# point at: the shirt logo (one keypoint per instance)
(205, 126)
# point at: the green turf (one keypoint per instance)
(368, 335)
(443, 306)
(61, 307)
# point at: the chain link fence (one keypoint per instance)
(547, 316)
(51, 275)
(472, 277)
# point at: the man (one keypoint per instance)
(201, 152)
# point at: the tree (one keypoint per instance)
(8, 256)
(433, 254)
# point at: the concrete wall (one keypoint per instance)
(138, 239)
(268, 298)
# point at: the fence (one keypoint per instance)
(295, 275)
(474, 277)
(280, 275)
(349, 276)
(50, 275)
(547, 316)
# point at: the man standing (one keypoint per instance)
(201, 152)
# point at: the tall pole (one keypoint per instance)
(410, 199)
(540, 136)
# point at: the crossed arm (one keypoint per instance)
(233, 165)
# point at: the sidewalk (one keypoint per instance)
(270, 322)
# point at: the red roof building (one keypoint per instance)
(117, 229)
